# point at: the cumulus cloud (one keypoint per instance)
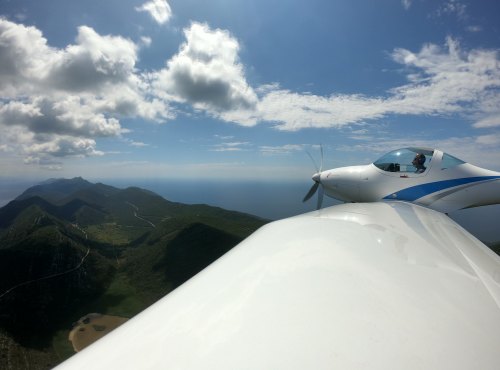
(159, 10)
(445, 80)
(66, 117)
(61, 100)
(207, 72)
(61, 146)
(24, 56)
(45, 149)
(70, 96)
(93, 62)
(441, 81)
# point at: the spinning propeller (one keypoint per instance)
(317, 181)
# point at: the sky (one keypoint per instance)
(242, 90)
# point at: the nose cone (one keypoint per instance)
(343, 183)
(316, 177)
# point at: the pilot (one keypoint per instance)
(418, 163)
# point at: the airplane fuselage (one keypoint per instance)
(441, 186)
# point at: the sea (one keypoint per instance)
(271, 200)
(265, 199)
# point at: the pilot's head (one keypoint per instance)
(419, 160)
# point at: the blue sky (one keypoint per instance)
(229, 89)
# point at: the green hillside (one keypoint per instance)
(70, 247)
(55, 189)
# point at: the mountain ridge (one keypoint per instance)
(109, 250)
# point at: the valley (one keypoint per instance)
(70, 247)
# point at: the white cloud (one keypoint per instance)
(223, 137)
(131, 142)
(441, 81)
(489, 140)
(235, 146)
(24, 56)
(452, 81)
(45, 148)
(489, 115)
(490, 121)
(138, 144)
(406, 4)
(282, 149)
(93, 62)
(207, 73)
(293, 111)
(60, 101)
(66, 116)
(159, 10)
(62, 146)
(453, 7)
(45, 163)
(146, 41)
(474, 28)
(70, 96)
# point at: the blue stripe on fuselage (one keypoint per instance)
(419, 191)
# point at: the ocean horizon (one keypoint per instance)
(271, 200)
(265, 199)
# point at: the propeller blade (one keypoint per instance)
(317, 180)
(320, 198)
(321, 150)
(313, 161)
(311, 192)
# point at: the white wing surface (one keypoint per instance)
(378, 286)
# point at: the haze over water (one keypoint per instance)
(270, 200)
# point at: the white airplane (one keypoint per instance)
(379, 285)
(423, 176)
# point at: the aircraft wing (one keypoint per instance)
(378, 285)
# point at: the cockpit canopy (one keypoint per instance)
(414, 160)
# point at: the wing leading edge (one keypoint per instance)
(380, 285)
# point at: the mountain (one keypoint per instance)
(69, 247)
(55, 189)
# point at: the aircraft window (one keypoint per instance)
(449, 161)
(402, 160)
